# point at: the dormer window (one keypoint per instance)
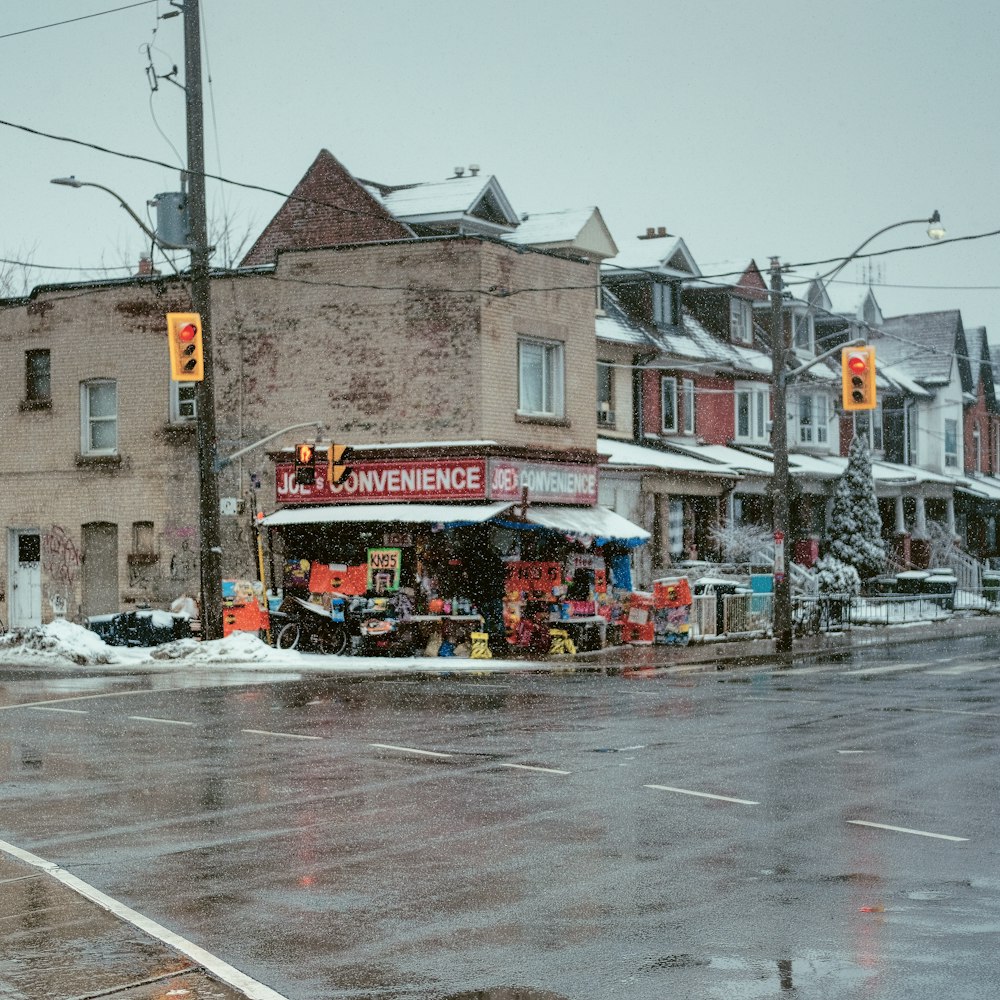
(741, 321)
(803, 333)
(663, 305)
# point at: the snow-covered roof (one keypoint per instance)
(925, 344)
(455, 198)
(668, 255)
(627, 453)
(550, 227)
(734, 459)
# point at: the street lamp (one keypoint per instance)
(210, 532)
(781, 482)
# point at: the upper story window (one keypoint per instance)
(664, 309)
(803, 333)
(541, 377)
(99, 417)
(741, 321)
(977, 449)
(868, 424)
(813, 418)
(951, 443)
(37, 377)
(183, 402)
(605, 395)
(668, 404)
(689, 413)
(752, 412)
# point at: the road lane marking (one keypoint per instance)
(854, 751)
(251, 988)
(168, 722)
(893, 668)
(967, 669)
(702, 795)
(290, 736)
(531, 767)
(905, 829)
(71, 711)
(86, 697)
(953, 711)
(423, 753)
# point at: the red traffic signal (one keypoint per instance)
(305, 468)
(187, 363)
(857, 368)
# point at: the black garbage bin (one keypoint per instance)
(991, 586)
(909, 582)
(720, 588)
(942, 589)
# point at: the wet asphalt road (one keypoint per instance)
(698, 835)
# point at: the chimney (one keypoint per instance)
(661, 231)
(653, 233)
(146, 268)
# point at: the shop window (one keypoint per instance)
(183, 402)
(37, 380)
(99, 417)
(668, 404)
(541, 378)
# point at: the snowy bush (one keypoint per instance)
(836, 577)
(742, 543)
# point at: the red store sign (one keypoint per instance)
(546, 482)
(430, 481)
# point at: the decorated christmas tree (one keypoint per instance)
(854, 530)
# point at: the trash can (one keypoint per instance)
(942, 588)
(909, 581)
(885, 585)
(108, 627)
(720, 588)
(991, 586)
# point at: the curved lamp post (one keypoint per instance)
(781, 482)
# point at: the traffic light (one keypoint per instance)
(336, 463)
(857, 369)
(305, 469)
(187, 363)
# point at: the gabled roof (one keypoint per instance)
(579, 229)
(982, 365)
(665, 254)
(327, 207)
(927, 346)
(472, 203)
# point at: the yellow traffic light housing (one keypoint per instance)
(336, 459)
(305, 468)
(857, 372)
(187, 363)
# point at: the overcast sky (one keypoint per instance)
(794, 129)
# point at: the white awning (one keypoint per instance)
(448, 514)
(599, 523)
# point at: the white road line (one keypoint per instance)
(253, 989)
(291, 736)
(530, 767)
(853, 751)
(893, 668)
(904, 829)
(703, 795)
(47, 708)
(953, 711)
(168, 722)
(967, 669)
(423, 753)
(88, 697)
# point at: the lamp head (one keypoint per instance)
(67, 181)
(934, 228)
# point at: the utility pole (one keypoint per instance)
(780, 483)
(210, 551)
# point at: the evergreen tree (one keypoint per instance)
(854, 531)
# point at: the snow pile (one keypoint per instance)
(237, 647)
(58, 642)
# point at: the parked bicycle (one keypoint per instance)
(308, 627)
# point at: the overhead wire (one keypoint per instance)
(72, 20)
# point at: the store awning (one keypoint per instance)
(599, 523)
(451, 515)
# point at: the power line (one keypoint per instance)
(84, 17)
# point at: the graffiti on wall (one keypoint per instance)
(61, 562)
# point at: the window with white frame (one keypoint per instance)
(541, 377)
(689, 413)
(741, 321)
(977, 448)
(951, 443)
(752, 412)
(99, 417)
(183, 402)
(868, 424)
(668, 404)
(813, 418)
(803, 332)
(663, 304)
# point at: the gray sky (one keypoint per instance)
(793, 128)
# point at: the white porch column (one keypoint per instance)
(900, 519)
(950, 515)
(920, 522)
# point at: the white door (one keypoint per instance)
(25, 561)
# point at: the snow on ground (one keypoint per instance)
(63, 644)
